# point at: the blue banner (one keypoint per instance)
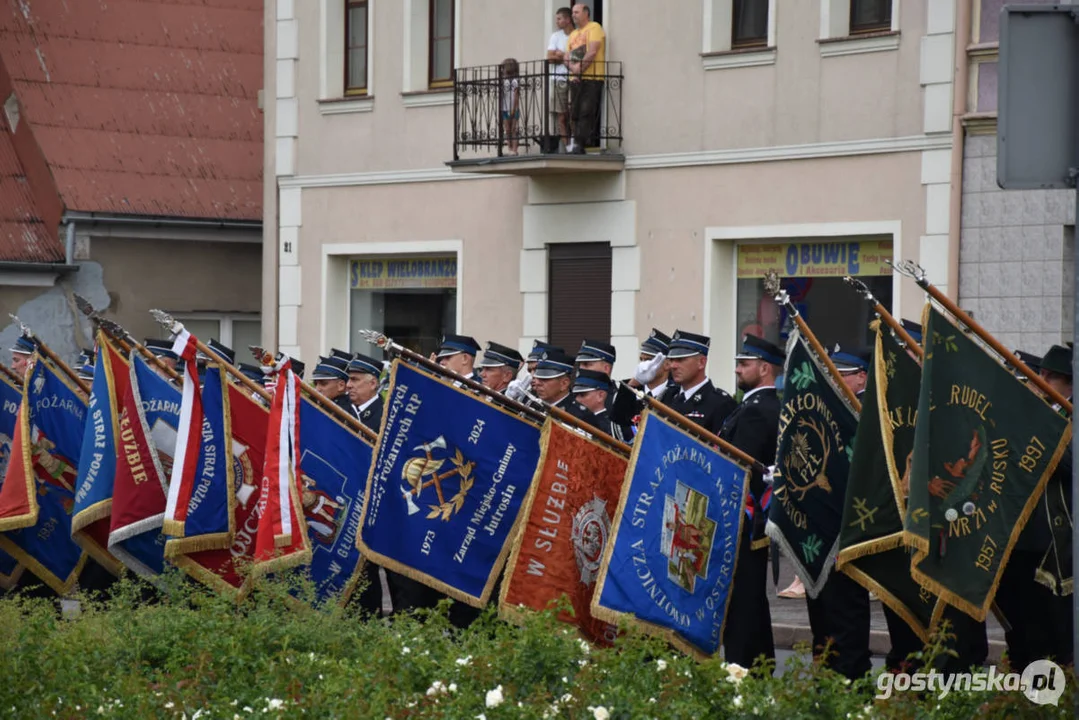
(10, 397)
(447, 486)
(209, 513)
(670, 563)
(334, 464)
(56, 417)
(97, 461)
(160, 406)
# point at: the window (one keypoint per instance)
(749, 25)
(579, 293)
(356, 47)
(869, 16)
(440, 44)
(238, 331)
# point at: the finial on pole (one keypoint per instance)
(167, 321)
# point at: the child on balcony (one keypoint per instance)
(511, 111)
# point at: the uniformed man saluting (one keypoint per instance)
(753, 427)
(695, 398)
(652, 376)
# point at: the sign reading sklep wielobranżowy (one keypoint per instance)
(403, 272)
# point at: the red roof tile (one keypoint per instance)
(23, 234)
(143, 106)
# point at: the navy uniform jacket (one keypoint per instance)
(575, 409)
(626, 406)
(372, 416)
(708, 407)
(344, 403)
(753, 428)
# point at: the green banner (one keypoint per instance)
(984, 448)
(871, 549)
(816, 429)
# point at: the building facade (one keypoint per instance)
(130, 167)
(736, 137)
(1017, 252)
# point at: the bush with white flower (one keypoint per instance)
(192, 654)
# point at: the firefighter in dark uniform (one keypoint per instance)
(499, 366)
(553, 380)
(695, 398)
(597, 356)
(331, 379)
(362, 388)
(538, 348)
(222, 352)
(457, 353)
(1039, 612)
(840, 612)
(652, 376)
(590, 389)
(753, 428)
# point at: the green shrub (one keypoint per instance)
(193, 654)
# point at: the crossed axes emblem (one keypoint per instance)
(418, 468)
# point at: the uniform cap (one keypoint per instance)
(589, 380)
(655, 344)
(757, 348)
(365, 365)
(686, 344)
(160, 348)
(251, 372)
(456, 344)
(596, 351)
(501, 356)
(1058, 360)
(553, 363)
(1032, 361)
(914, 329)
(849, 362)
(220, 349)
(330, 368)
(538, 347)
(24, 346)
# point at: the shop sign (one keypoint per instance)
(389, 273)
(816, 259)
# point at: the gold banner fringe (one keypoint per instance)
(61, 586)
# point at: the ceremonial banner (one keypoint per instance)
(223, 569)
(816, 435)
(567, 521)
(10, 397)
(871, 549)
(670, 563)
(984, 448)
(188, 435)
(38, 494)
(334, 464)
(447, 486)
(211, 518)
(148, 422)
(282, 540)
(97, 463)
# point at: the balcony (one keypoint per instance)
(483, 142)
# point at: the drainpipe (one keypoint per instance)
(959, 109)
(69, 246)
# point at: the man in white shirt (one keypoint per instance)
(556, 55)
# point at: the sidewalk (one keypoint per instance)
(790, 621)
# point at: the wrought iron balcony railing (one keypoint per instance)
(536, 111)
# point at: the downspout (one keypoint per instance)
(959, 109)
(69, 246)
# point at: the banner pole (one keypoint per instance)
(387, 344)
(10, 374)
(1075, 440)
(47, 352)
(916, 273)
(122, 337)
(897, 327)
(771, 286)
(576, 424)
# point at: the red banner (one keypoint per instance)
(218, 568)
(567, 524)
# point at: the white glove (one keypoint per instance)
(769, 475)
(646, 371)
(520, 388)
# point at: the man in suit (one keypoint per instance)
(362, 387)
(499, 366)
(695, 398)
(753, 427)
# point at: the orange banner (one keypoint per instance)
(567, 524)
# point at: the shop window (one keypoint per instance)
(579, 293)
(411, 299)
(812, 274)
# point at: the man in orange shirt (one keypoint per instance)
(587, 66)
